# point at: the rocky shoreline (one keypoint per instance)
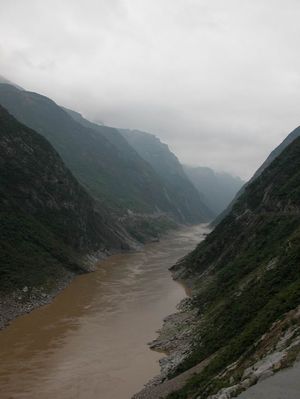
(22, 301)
(175, 337)
(276, 350)
(25, 300)
(174, 340)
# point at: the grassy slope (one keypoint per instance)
(246, 272)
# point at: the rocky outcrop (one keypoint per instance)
(278, 349)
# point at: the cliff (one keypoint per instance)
(50, 227)
(241, 324)
(181, 191)
(98, 156)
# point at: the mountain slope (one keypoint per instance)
(277, 151)
(109, 168)
(6, 81)
(48, 222)
(245, 280)
(218, 188)
(165, 163)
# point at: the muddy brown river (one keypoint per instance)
(91, 342)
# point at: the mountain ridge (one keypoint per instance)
(277, 151)
(241, 323)
(50, 229)
(168, 167)
(218, 188)
(97, 155)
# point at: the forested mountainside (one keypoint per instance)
(49, 224)
(217, 188)
(277, 151)
(167, 166)
(245, 280)
(98, 157)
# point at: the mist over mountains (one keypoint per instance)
(146, 167)
(277, 151)
(218, 188)
(73, 192)
(130, 187)
(101, 159)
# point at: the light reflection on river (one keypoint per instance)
(91, 342)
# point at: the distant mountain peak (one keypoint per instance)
(218, 188)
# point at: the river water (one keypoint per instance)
(91, 342)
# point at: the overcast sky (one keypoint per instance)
(219, 81)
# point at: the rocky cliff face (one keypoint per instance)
(98, 156)
(189, 202)
(49, 224)
(243, 317)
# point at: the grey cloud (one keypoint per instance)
(218, 81)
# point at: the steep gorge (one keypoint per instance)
(242, 321)
(50, 227)
(101, 159)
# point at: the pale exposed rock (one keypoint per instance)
(265, 374)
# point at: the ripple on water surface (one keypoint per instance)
(91, 342)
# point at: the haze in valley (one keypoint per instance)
(218, 81)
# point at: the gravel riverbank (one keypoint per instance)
(27, 299)
(174, 339)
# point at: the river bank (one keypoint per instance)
(91, 340)
(274, 357)
(25, 300)
(174, 341)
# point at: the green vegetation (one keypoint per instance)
(30, 255)
(100, 158)
(143, 228)
(181, 191)
(47, 220)
(274, 154)
(246, 272)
